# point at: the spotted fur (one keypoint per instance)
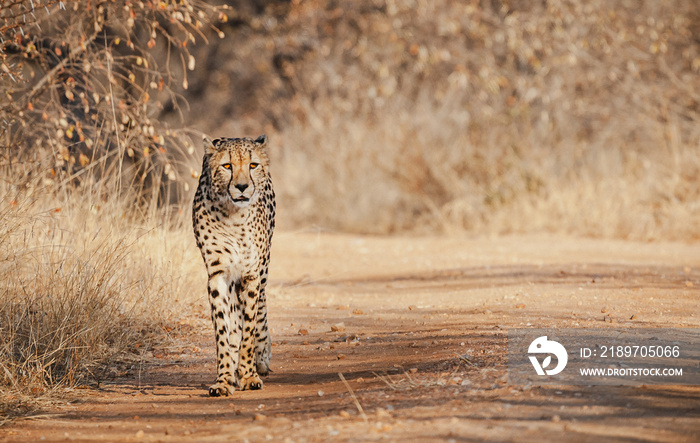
(233, 216)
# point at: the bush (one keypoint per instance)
(85, 292)
(83, 83)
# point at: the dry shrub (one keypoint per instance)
(85, 291)
(60, 308)
(83, 83)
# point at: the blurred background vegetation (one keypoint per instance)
(488, 117)
(453, 117)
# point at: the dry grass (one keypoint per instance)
(418, 170)
(86, 288)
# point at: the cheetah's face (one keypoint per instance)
(238, 168)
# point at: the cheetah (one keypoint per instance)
(233, 216)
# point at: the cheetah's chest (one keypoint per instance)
(236, 248)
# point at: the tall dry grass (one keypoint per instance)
(418, 170)
(87, 288)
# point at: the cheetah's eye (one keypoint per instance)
(254, 165)
(226, 165)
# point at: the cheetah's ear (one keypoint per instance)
(262, 141)
(209, 147)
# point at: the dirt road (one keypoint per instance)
(417, 327)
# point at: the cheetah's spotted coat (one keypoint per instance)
(233, 217)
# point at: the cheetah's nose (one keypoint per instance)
(241, 186)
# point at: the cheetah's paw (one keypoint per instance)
(262, 360)
(251, 383)
(221, 389)
(263, 367)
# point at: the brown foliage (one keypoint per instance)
(81, 87)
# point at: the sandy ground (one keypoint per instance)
(417, 327)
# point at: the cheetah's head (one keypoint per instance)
(237, 167)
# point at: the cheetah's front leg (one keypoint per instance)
(219, 298)
(247, 373)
